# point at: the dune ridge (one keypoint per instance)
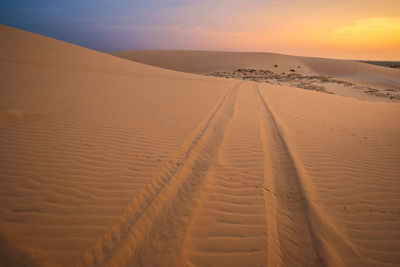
(201, 62)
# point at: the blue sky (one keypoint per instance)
(83, 22)
(108, 25)
(357, 29)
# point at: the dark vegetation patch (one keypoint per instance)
(388, 64)
(293, 79)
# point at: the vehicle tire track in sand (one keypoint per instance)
(290, 236)
(228, 227)
(152, 213)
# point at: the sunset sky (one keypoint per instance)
(353, 29)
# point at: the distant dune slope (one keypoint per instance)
(109, 162)
(208, 61)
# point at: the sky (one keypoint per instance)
(349, 29)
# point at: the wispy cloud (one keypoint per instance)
(376, 25)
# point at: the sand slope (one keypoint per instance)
(108, 162)
(208, 62)
(82, 133)
(348, 153)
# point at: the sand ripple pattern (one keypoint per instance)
(231, 196)
(228, 227)
(291, 236)
(158, 202)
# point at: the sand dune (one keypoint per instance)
(95, 130)
(348, 152)
(109, 162)
(342, 77)
(207, 61)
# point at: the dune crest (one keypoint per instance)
(343, 77)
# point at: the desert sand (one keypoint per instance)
(110, 162)
(208, 61)
(342, 77)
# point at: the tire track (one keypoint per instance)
(162, 207)
(228, 226)
(290, 236)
